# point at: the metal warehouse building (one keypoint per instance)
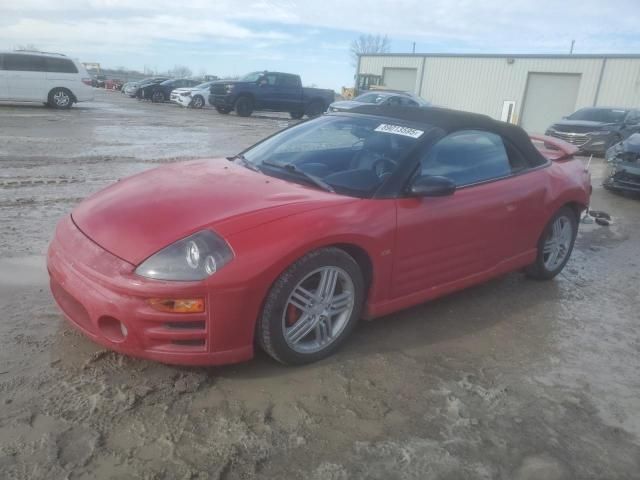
(530, 90)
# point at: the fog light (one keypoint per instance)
(113, 329)
(178, 305)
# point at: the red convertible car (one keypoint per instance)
(347, 216)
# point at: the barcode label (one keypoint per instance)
(398, 130)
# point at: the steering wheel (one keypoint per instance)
(384, 166)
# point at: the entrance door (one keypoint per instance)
(548, 98)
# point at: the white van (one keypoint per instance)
(50, 78)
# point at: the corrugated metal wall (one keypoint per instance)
(482, 84)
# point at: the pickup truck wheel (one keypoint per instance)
(244, 107)
(315, 108)
(223, 110)
(296, 115)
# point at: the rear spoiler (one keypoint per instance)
(553, 148)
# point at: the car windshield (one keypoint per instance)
(251, 77)
(167, 82)
(203, 86)
(373, 98)
(604, 115)
(351, 155)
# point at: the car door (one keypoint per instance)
(289, 92)
(26, 77)
(442, 241)
(267, 97)
(4, 91)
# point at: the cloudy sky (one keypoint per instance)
(225, 37)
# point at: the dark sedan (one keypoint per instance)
(596, 129)
(162, 91)
(402, 99)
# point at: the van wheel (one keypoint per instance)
(60, 98)
(244, 107)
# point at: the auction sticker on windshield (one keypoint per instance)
(398, 130)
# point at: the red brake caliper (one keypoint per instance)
(293, 314)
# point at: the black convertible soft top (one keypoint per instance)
(454, 120)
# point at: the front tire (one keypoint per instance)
(244, 107)
(197, 102)
(312, 307)
(555, 245)
(60, 98)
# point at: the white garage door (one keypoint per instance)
(400, 79)
(549, 97)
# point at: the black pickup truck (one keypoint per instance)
(272, 91)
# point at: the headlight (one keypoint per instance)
(229, 88)
(192, 258)
(600, 132)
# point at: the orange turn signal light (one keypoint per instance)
(178, 305)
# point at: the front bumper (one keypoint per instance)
(624, 178)
(586, 142)
(184, 100)
(102, 297)
(223, 101)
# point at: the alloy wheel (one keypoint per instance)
(558, 243)
(61, 98)
(318, 309)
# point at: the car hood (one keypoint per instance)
(346, 104)
(138, 216)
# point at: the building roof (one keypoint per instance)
(507, 55)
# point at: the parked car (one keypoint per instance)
(132, 88)
(272, 91)
(623, 165)
(98, 81)
(113, 84)
(195, 97)
(289, 243)
(50, 78)
(596, 129)
(404, 99)
(160, 92)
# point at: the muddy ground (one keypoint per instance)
(513, 379)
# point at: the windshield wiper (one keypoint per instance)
(312, 178)
(245, 162)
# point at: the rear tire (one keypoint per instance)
(60, 98)
(302, 321)
(157, 97)
(315, 108)
(555, 245)
(244, 107)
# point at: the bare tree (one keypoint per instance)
(369, 44)
(29, 47)
(180, 71)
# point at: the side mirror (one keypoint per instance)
(432, 186)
